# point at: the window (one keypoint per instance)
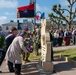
(7, 28)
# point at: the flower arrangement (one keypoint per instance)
(28, 45)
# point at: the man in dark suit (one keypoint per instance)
(8, 40)
(51, 40)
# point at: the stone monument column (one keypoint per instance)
(46, 62)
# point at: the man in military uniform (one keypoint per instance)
(36, 35)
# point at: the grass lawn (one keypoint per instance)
(71, 53)
(33, 56)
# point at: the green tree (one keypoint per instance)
(55, 20)
(71, 16)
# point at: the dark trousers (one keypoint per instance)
(17, 68)
(2, 55)
(55, 41)
(60, 41)
(52, 58)
(25, 56)
(74, 39)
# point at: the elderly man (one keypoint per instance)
(13, 53)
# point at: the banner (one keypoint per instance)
(26, 11)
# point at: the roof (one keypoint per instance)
(10, 24)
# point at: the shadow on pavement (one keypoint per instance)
(30, 68)
(60, 65)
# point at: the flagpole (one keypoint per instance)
(34, 13)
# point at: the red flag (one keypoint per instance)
(26, 11)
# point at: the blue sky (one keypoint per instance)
(8, 8)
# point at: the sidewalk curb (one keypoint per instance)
(71, 61)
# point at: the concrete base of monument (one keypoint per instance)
(47, 66)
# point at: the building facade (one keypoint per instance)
(7, 27)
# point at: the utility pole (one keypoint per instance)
(34, 13)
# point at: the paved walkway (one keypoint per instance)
(4, 69)
(63, 68)
(27, 69)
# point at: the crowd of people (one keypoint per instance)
(60, 36)
(17, 43)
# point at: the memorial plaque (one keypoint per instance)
(46, 45)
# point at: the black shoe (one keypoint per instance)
(0, 71)
(27, 60)
(12, 71)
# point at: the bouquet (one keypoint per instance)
(29, 48)
(28, 45)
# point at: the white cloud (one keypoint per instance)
(46, 9)
(42, 9)
(38, 8)
(63, 2)
(9, 13)
(8, 3)
(3, 19)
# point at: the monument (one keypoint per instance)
(46, 62)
